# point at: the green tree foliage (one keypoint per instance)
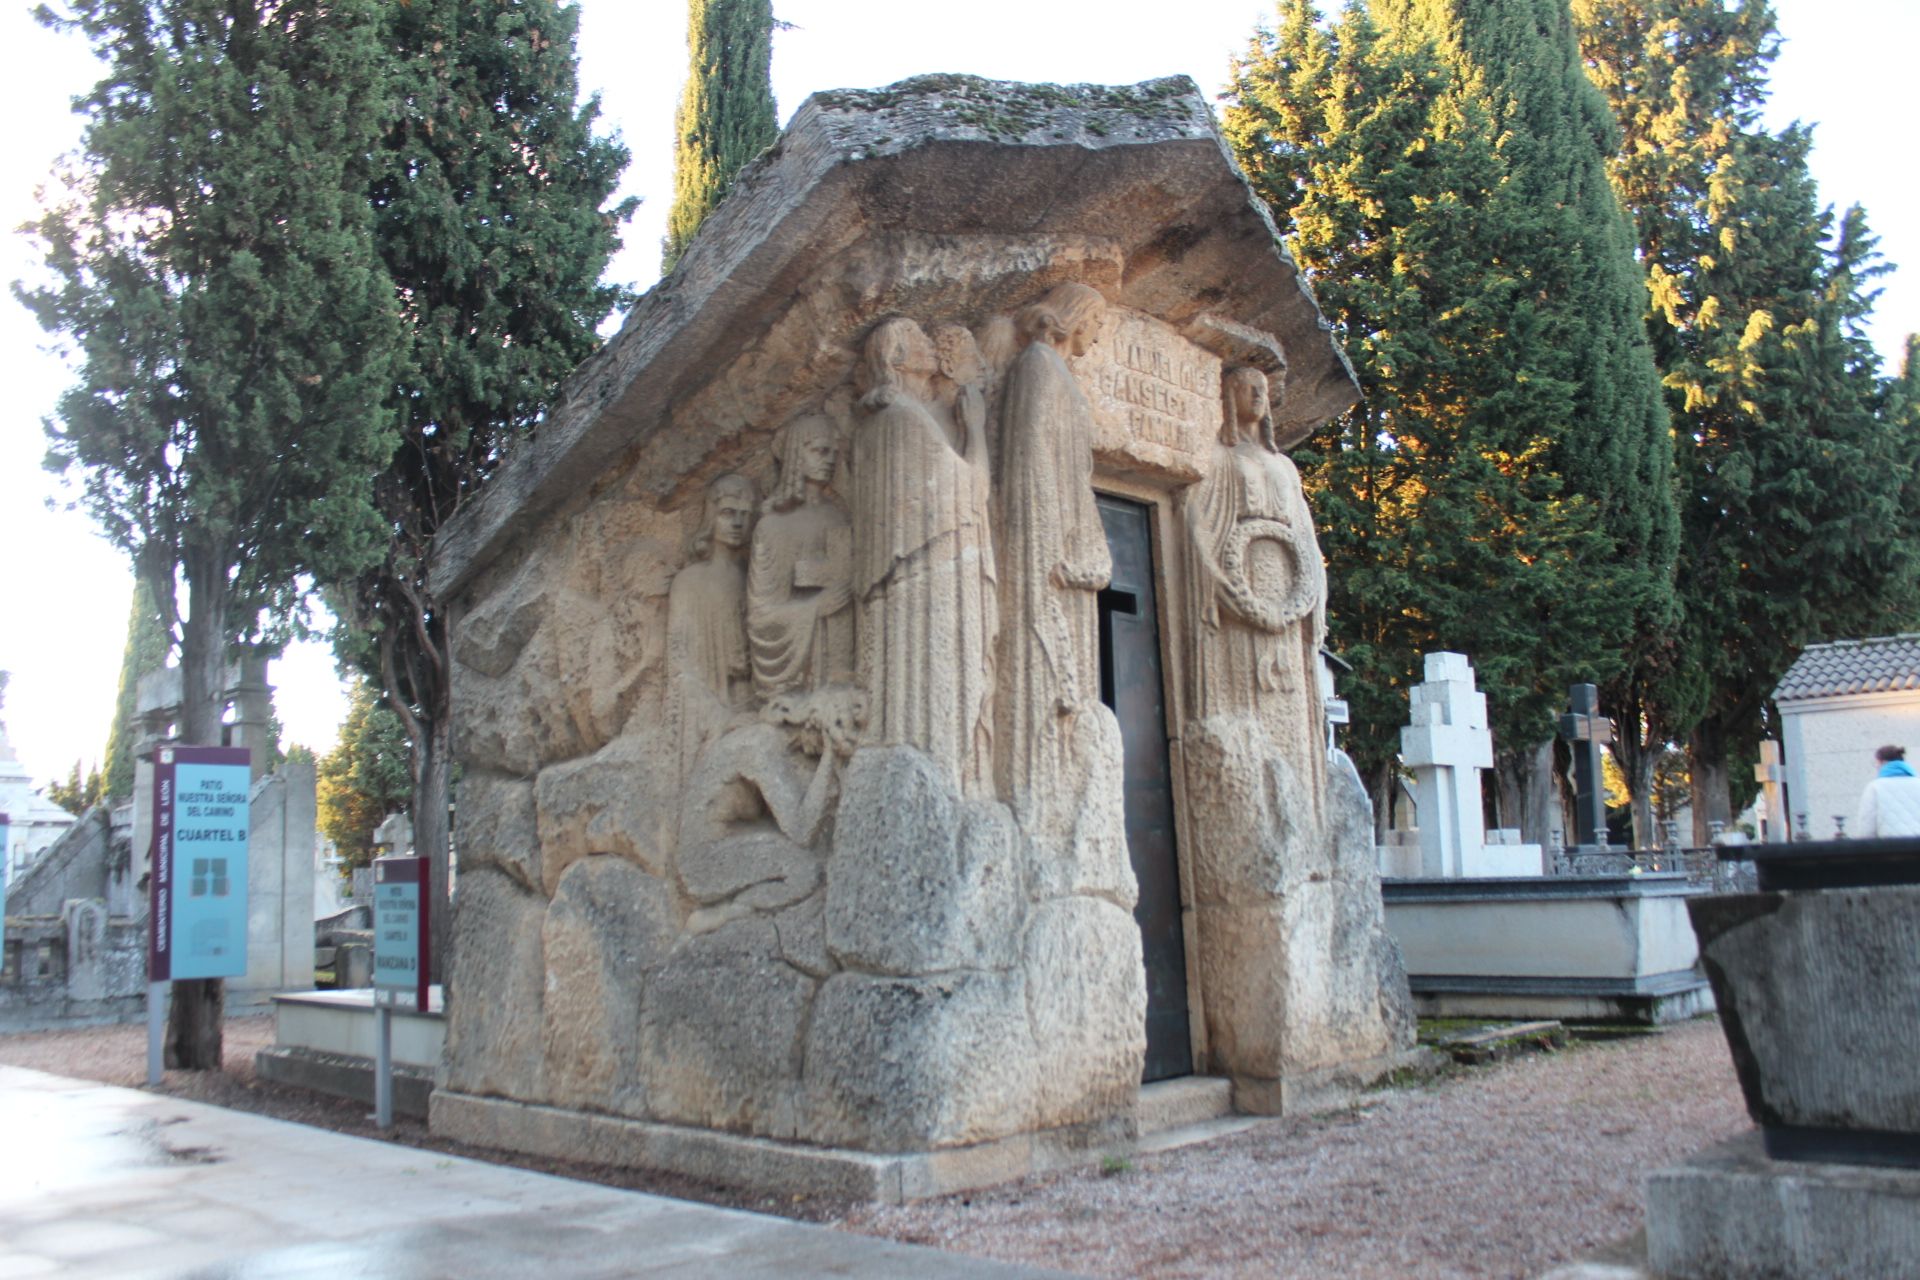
(79, 792)
(1796, 473)
(146, 650)
(212, 269)
(490, 212)
(1504, 490)
(366, 778)
(726, 115)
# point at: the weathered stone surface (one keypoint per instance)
(1094, 860)
(1730, 1213)
(802, 930)
(573, 686)
(617, 801)
(1796, 974)
(1303, 977)
(496, 827)
(907, 1064)
(1372, 1007)
(492, 633)
(753, 779)
(1256, 827)
(494, 1042)
(1244, 973)
(511, 723)
(720, 1031)
(1087, 1005)
(762, 870)
(609, 923)
(906, 894)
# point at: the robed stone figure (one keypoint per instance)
(923, 571)
(800, 577)
(708, 673)
(1258, 584)
(1055, 552)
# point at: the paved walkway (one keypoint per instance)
(98, 1181)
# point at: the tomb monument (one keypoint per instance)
(887, 690)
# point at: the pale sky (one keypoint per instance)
(63, 615)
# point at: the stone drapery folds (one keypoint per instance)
(923, 561)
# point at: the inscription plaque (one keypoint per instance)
(1155, 395)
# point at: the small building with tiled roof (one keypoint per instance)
(1838, 702)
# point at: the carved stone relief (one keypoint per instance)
(709, 676)
(923, 570)
(1055, 556)
(881, 778)
(800, 579)
(1257, 581)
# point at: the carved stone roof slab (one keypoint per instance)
(847, 217)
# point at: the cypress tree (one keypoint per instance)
(146, 650)
(1503, 488)
(491, 220)
(1792, 532)
(213, 269)
(726, 115)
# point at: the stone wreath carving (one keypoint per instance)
(1250, 591)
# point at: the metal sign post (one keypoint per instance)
(399, 963)
(197, 886)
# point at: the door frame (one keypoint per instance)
(1169, 586)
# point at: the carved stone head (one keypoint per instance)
(900, 359)
(1246, 415)
(726, 519)
(958, 354)
(806, 450)
(1067, 318)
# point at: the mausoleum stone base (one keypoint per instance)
(760, 1164)
(1730, 1213)
(1323, 1090)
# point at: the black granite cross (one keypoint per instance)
(1588, 732)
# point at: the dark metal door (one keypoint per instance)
(1130, 683)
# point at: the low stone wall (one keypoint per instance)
(82, 970)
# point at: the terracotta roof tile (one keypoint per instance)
(1883, 664)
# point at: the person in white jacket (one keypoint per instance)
(1891, 803)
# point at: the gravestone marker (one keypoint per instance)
(1447, 744)
(1589, 732)
(1772, 777)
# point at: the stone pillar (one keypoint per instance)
(1446, 745)
(156, 708)
(252, 700)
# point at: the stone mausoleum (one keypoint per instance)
(887, 690)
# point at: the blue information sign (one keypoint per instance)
(201, 827)
(400, 932)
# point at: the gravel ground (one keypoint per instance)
(1500, 1171)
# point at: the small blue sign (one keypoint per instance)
(210, 829)
(400, 932)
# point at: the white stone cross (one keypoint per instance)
(1447, 744)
